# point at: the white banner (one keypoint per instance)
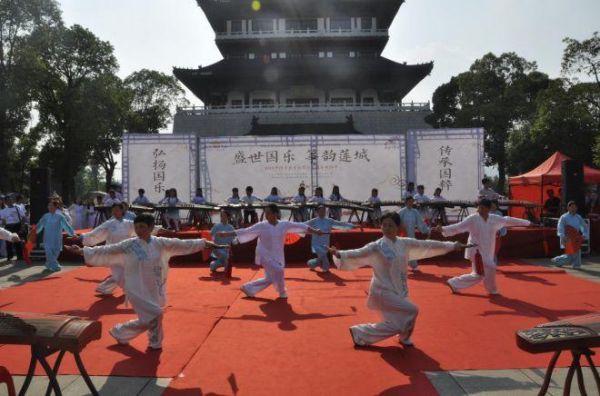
(354, 163)
(159, 162)
(452, 159)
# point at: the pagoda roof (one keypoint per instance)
(219, 10)
(379, 73)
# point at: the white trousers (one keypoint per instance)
(125, 332)
(399, 317)
(274, 275)
(115, 280)
(471, 279)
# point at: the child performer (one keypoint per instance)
(320, 243)
(269, 249)
(220, 257)
(375, 202)
(115, 230)
(482, 228)
(412, 219)
(388, 293)
(578, 230)
(146, 263)
(53, 224)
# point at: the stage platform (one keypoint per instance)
(217, 342)
(520, 242)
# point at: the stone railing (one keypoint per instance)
(302, 33)
(202, 110)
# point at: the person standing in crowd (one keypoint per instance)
(482, 228)
(336, 196)
(52, 224)
(572, 231)
(13, 219)
(250, 215)
(80, 215)
(375, 202)
(220, 257)
(552, 204)
(271, 235)
(91, 213)
(388, 292)
(320, 243)
(141, 199)
(412, 220)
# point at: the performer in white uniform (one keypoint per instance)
(146, 263)
(388, 293)
(482, 228)
(115, 230)
(269, 249)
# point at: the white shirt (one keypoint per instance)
(273, 198)
(483, 233)
(111, 232)
(141, 200)
(146, 266)
(437, 199)
(10, 215)
(108, 201)
(389, 260)
(233, 200)
(488, 193)
(420, 198)
(271, 238)
(249, 199)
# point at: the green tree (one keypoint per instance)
(154, 97)
(497, 94)
(581, 60)
(65, 65)
(18, 19)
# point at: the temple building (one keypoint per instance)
(301, 67)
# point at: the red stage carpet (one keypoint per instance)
(217, 342)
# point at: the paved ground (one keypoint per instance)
(475, 382)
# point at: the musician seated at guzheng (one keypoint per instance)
(52, 224)
(572, 231)
(270, 255)
(220, 257)
(250, 216)
(410, 191)
(171, 215)
(141, 199)
(336, 196)
(300, 214)
(412, 220)
(129, 215)
(487, 192)
(145, 260)
(274, 196)
(375, 202)
(438, 212)
(197, 214)
(482, 228)
(115, 230)
(320, 243)
(388, 293)
(111, 199)
(318, 196)
(235, 215)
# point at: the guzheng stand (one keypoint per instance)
(578, 335)
(47, 335)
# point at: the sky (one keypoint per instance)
(160, 34)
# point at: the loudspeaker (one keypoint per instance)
(573, 185)
(39, 192)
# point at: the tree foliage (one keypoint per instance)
(154, 96)
(497, 93)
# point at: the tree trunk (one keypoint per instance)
(110, 171)
(501, 175)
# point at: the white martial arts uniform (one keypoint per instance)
(6, 235)
(269, 252)
(112, 231)
(483, 233)
(146, 265)
(389, 289)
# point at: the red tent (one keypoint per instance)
(532, 186)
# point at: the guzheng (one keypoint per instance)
(578, 335)
(185, 206)
(46, 335)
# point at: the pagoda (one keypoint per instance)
(301, 66)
